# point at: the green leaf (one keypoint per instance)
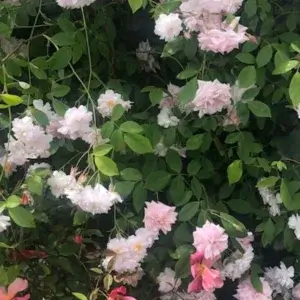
(182, 267)
(59, 107)
(63, 39)
(182, 250)
(267, 182)
(289, 239)
(80, 217)
(131, 127)
(157, 181)
(117, 140)
(22, 217)
(173, 46)
(35, 185)
(118, 112)
(294, 89)
(193, 167)
(194, 142)
(235, 171)
(250, 8)
(138, 143)
(173, 160)
(246, 58)
(61, 58)
(259, 109)
(66, 25)
(285, 67)
(131, 174)
(3, 277)
(11, 100)
(188, 92)
(102, 150)
(187, 73)
(80, 296)
(124, 188)
(108, 281)
(288, 197)
(232, 226)
(59, 90)
(135, 5)
(106, 166)
(268, 233)
(247, 77)
(177, 191)
(40, 117)
(139, 197)
(155, 94)
(243, 112)
(255, 279)
(264, 56)
(197, 188)
(5, 30)
(107, 129)
(188, 211)
(240, 206)
(12, 201)
(37, 72)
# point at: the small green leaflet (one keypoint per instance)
(106, 166)
(294, 89)
(235, 171)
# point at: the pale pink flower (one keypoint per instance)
(232, 117)
(132, 278)
(168, 102)
(17, 286)
(167, 281)
(74, 3)
(211, 239)
(119, 293)
(168, 27)
(296, 292)
(200, 21)
(213, 6)
(159, 216)
(246, 241)
(246, 291)
(211, 97)
(203, 295)
(205, 278)
(221, 41)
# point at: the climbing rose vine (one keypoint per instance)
(149, 149)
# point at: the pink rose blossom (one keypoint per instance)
(246, 291)
(201, 22)
(211, 239)
(159, 216)
(296, 292)
(221, 41)
(246, 241)
(205, 278)
(119, 293)
(212, 6)
(203, 295)
(211, 97)
(17, 286)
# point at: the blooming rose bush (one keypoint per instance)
(149, 149)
